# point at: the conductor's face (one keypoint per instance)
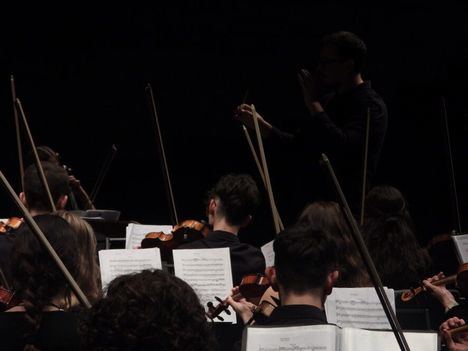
(333, 70)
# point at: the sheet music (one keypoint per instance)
(267, 251)
(369, 340)
(461, 243)
(304, 338)
(208, 272)
(118, 262)
(358, 308)
(135, 233)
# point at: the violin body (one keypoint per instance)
(10, 225)
(183, 233)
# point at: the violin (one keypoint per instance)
(10, 225)
(460, 279)
(252, 286)
(182, 233)
(7, 299)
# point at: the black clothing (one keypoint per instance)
(245, 258)
(58, 331)
(6, 246)
(340, 133)
(295, 315)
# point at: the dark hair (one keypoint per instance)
(349, 46)
(326, 215)
(36, 196)
(36, 278)
(389, 235)
(239, 197)
(148, 310)
(303, 258)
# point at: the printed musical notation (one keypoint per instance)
(358, 308)
(208, 272)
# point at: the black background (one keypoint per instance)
(81, 71)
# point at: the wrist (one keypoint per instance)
(315, 107)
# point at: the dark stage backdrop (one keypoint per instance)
(81, 72)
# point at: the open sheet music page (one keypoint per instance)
(369, 340)
(135, 233)
(304, 338)
(358, 308)
(269, 254)
(461, 243)
(118, 262)
(208, 272)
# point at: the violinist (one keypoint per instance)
(47, 154)
(36, 201)
(389, 234)
(304, 274)
(41, 319)
(231, 203)
(338, 100)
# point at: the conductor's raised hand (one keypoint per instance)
(244, 114)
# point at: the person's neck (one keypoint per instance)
(222, 224)
(351, 83)
(37, 212)
(309, 298)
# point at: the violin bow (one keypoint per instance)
(265, 170)
(45, 243)
(364, 171)
(162, 154)
(102, 174)
(260, 170)
(367, 259)
(451, 168)
(18, 130)
(36, 156)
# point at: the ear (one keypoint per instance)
(270, 272)
(62, 202)
(22, 197)
(330, 282)
(212, 205)
(247, 221)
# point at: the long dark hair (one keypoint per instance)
(389, 234)
(326, 215)
(36, 278)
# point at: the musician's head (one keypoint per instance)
(233, 199)
(151, 310)
(88, 274)
(385, 201)
(35, 197)
(327, 215)
(306, 262)
(36, 278)
(342, 58)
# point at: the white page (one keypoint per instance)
(208, 272)
(358, 308)
(135, 233)
(461, 243)
(118, 262)
(304, 338)
(267, 251)
(370, 340)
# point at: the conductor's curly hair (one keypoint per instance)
(148, 310)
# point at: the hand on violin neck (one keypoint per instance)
(244, 114)
(242, 307)
(457, 342)
(440, 292)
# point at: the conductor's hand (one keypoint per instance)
(310, 85)
(245, 115)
